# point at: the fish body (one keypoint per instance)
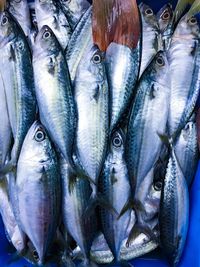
(91, 97)
(186, 149)
(184, 64)
(74, 10)
(53, 92)
(80, 39)
(13, 231)
(74, 205)
(17, 74)
(122, 67)
(115, 187)
(150, 36)
(38, 190)
(50, 14)
(20, 11)
(165, 18)
(174, 211)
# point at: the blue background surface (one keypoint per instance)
(191, 255)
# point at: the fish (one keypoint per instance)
(38, 189)
(165, 17)
(186, 149)
(91, 97)
(74, 10)
(184, 64)
(73, 208)
(53, 92)
(80, 39)
(5, 129)
(114, 186)
(13, 231)
(143, 144)
(20, 11)
(17, 74)
(174, 211)
(48, 13)
(151, 38)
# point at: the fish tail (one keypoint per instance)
(128, 205)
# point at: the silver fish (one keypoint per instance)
(150, 36)
(80, 39)
(186, 149)
(174, 211)
(49, 13)
(114, 186)
(53, 92)
(165, 18)
(74, 10)
(38, 189)
(73, 208)
(184, 63)
(5, 129)
(91, 97)
(122, 66)
(13, 231)
(17, 73)
(20, 10)
(143, 143)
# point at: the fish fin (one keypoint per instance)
(67, 261)
(12, 56)
(7, 168)
(137, 230)
(55, 22)
(51, 65)
(195, 8)
(168, 141)
(128, 205)
(180, 8)
(115, 21)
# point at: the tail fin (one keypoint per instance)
(115, 21)
(195, 9)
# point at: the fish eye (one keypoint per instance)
(39, 136)
(97, 58)
(18, 1)
(149, 12)
(160, 61)
(66, 1)
(165, 15)
(192, 21)
(35, 255)
(46, 35)
(158, 186)
(117, 141)
(4, 20)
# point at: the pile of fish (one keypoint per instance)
(98, 137)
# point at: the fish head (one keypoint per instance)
(19, 8)
(187, 28)
(149, 20)
(165, 17)
(118, 141)
(43, 7)
(91, 66)
(7, 28)
(45, 43)
(37, 146)
(77, 7)
(159, 69)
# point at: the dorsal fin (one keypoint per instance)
(115, 21)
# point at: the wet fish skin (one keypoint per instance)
(13, 231)
(20, 10)
(151, 38)
(17, 73)
(73, 208)
(166, 24)
(184, 62)
(38, 189)
(174, 211)
(122, 67)
(54, 92)
(80, 38)
(114, 186)
(186, 149)
(74, 10)
(49, 13)
(91, 97)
